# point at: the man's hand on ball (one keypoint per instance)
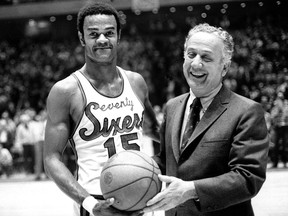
(176, 193)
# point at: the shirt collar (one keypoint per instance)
(205, 101)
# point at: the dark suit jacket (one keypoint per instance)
(226, 156)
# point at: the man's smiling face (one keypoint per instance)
(203, 65)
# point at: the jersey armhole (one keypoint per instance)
(123, 73)
(83, 108)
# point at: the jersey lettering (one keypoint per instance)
(116, 105)
(128, 124)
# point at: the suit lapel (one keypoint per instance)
(214, 111)
(177, 124)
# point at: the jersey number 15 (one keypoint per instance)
(125, 141)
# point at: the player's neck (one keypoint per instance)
(101, 72)
(106, 79)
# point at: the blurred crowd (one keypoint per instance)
(30, 67)
(21, 143)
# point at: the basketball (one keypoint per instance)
(131, 177)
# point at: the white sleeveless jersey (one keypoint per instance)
(108, 125)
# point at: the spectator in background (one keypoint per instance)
(279, 116)
(267, 114)
(25, 142)
(6, 162)
(5, 135)
(7, 131)
(39, 131)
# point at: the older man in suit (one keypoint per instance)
(218, 167)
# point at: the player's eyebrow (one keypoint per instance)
(97, 29)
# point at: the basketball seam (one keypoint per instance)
(134, 165)
(141, 157)
(152, 179)
(126, 185)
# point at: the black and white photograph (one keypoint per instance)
(143, 108)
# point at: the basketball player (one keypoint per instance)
(99, 109)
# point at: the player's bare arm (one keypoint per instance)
(151, 125)
(56, 137)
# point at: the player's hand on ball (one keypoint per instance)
(176, 192)
(105, 208)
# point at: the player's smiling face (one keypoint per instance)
(100, 37)
(203, 65)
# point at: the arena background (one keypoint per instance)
(152, 43)
(39, 46)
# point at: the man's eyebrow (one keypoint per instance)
(202, 51)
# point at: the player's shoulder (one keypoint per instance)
(133, 76)
(65, 85)
(137, 83)
(64, 90)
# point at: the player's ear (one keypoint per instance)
(119, 36)
(81, 38)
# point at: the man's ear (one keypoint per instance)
(225, 69)
(81, 38)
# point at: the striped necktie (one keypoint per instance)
(193, 119)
